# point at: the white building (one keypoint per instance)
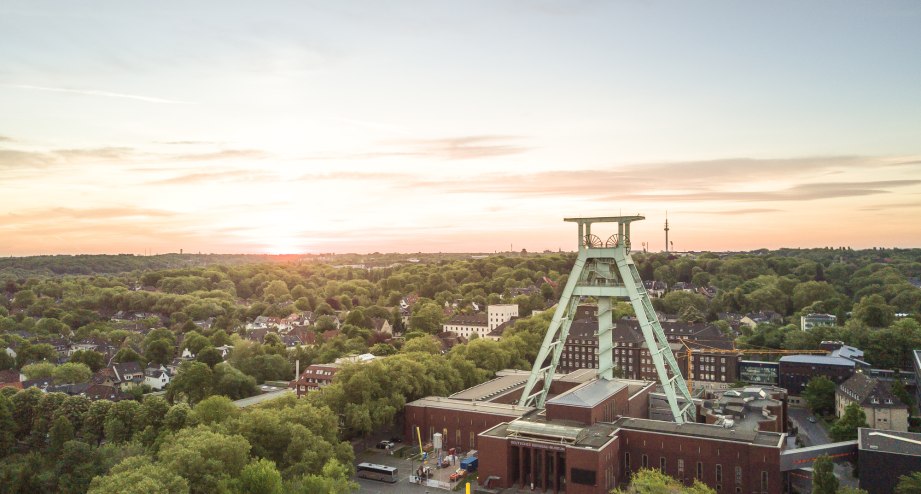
(498, 314)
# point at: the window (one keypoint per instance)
(700, 471)
(738, 475)
(764, 481)
(680, 468)
(719, 473)
(662, 463)
(645, 461)
(627, 461)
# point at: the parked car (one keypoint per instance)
(811, 419)
(458, 474)
(384, 445)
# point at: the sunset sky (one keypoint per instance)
(456, 126)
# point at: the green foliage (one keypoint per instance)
(651, 481)
(909, 484)
(71, 373)
(38, 370)
(192, 383)
(259, 477)
(214, 409)
(820, 394)
(845, 429)
(207, 460)
(823, 476)
(138, 475)
(93, 360)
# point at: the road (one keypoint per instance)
(811, 434)
(815, 435)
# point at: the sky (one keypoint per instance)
(456, 126)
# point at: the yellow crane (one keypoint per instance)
(735, 351)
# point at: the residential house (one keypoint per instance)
(41, 383)
(496, 334)
(381, 325)
(314, 377)
(684, 286)
(128, 374)
(883, 409)
(225, 350)
(156, 377)
(655, 289)
(104, 392)
(466, 325)
(11, 378)
(753, 319)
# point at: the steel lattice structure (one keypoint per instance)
(605, 270)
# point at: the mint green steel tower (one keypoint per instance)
(604, 270)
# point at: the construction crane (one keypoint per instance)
(735, 351)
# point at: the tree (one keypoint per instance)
(121, 421)
(333, 480)
(649, 481)
(260, 477)
(72, 373)
(823, 476)
(128, 355)
(427, 344)
(193, 382)
(207, 460)
(426, 317)
(820, 394)
(195, 342)
(138, 475)
(160, 352)
(61, 432)
(845, 429)
(38, 370)
(210, 355)
(230, 382)
(214, 409)
(76, 467)
(909, 484)
(873, 311)
(93, 360)
(7, 426)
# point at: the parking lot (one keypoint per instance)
(406, 468)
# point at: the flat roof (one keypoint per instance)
(507, 410)
(903, 443)
(506, 381)
(538, 429)
(579, 376)
(588, 394)
(772, 439)
(818, 359)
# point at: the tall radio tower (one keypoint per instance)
(666, 231)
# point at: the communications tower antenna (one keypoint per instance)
(666, 231)
(605, 271)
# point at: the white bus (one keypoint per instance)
(372, 471)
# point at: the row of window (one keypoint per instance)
(700, 471)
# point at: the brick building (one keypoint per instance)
(315, 377)
(592, 433)
(796, 370)
(711, 364)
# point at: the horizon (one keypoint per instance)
(456, 127)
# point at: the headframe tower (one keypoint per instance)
(605, 271)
